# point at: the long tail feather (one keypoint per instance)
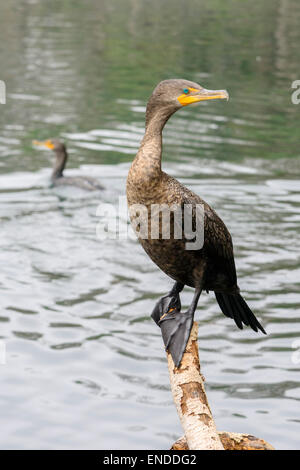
(235, 307)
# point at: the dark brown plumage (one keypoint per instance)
(61, 157)
(210, 268)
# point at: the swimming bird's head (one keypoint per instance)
(171, 95)
(61, 154)
(53, 144)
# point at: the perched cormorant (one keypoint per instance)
(57, 177)
(210, 268)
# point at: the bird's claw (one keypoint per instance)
(167, 304)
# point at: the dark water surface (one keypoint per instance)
(85, 363)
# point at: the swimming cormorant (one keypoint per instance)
(57, 177)
(210, 268)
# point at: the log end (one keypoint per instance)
(231, 441)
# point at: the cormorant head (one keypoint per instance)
(61, 155)
(171, 95)
(53, 144)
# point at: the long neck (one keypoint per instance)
(150, 152)
(60, 163)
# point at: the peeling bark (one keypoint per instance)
(231, 441)
(189, 395)
(187, 385)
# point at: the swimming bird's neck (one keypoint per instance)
(59, 165)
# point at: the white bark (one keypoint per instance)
(190, 399)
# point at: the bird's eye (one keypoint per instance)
(186, 90)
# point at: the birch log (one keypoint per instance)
(190, 399)
(231, 441)
(187, 385)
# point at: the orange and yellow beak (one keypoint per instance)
(46, 143)
(194, 96)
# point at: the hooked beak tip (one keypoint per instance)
(226, 95)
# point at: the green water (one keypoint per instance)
(85, 366)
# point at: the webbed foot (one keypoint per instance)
(176, 328)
